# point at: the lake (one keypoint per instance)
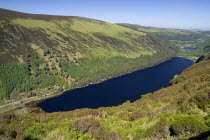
(118, 90)
(189, 48)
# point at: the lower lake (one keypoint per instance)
(118, 90)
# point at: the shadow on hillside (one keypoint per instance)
(202, 136)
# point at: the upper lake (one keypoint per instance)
(118, 90)
(189, 48)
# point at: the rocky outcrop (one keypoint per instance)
(204, 57)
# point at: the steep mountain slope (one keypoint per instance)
(180, 111)
(25, 35)
(40, 54)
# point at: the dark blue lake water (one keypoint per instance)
(118, 90)
(189, 48)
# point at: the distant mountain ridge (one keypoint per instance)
(15, 14)
(168, 33)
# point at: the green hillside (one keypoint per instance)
(169, 34)
(179, 39)
(41, 54)
(180, 111)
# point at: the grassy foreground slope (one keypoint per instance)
(179, 39)
(180, 111)
(43, 53)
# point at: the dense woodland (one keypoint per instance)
(26, 78)
(95, 69)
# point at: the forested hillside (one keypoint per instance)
(43, 53)
(180, 111)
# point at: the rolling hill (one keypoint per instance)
(42, 54)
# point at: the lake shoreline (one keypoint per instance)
(34, 103)
(187, 58)
(105, 81)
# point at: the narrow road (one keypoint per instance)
(17, 102)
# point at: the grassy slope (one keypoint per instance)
(43, 48)
(180, 111)
(179, 39)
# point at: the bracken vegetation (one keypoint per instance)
(180, 111)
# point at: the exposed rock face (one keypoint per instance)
(204, 57)
(201, 59)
